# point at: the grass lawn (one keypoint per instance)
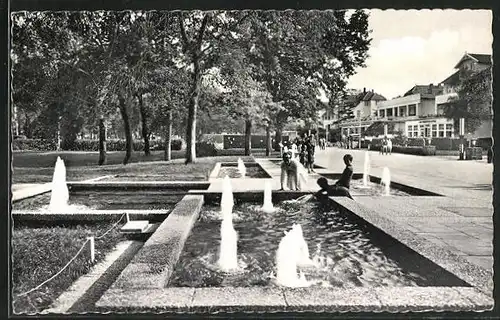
(31, 167)
(39, 253)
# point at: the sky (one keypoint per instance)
(412, 47)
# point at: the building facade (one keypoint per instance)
(415, 114)
(420, 111)
(364, 114)
(469, 62)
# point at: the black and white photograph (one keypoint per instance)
(251, 161)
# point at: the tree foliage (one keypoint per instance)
(473, 101)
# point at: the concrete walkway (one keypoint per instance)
(461, 220)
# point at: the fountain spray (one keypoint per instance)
(386, 181)
(366, 170)
(267, 206)
(292, 252)
(228, 255)
(241, 168)
(60, 194)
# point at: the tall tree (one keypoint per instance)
(473, 101)
(297, 52)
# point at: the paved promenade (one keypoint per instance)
(460, 221)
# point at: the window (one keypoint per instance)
(402, 112)
(367, 103)
(412, 131)
(395, 112)
(381, 113)
(434, 130)
(441, 130)
(389, 112)
(412, 110)
(358, 113)
(449, 129)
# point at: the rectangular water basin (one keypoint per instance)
(107, 199)
(253, 170)
(375, 188)
(348, 253)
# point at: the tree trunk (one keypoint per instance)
(268, 141)
(248, 137)
(192, 108)
(102, 142)
(128, 131)
(168, 137)
(278, 138)
(145, 130)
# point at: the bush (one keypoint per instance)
(484, 143)
(205, 149)
(416, 142)
(445, 143)
(34, 145)
(421, 151)
(176, 144)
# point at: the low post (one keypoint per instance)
(127, 217)
(92, 249)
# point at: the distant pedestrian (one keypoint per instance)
(389, 146)
(383, 148)
(310, 156)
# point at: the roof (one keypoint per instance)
(478, 57)
(453, 79)
(373, 96)
(425, 89)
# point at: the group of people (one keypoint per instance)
(293, 176)
(386, 146)
(303, 149)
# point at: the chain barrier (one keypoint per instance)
(71, 260)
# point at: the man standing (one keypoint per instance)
(389, 146)
(310, 156)
(290, 175)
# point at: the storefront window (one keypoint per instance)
(449, 130)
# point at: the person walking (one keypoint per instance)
(383, 148)
(389, 146)
(310, 156)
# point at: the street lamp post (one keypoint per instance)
(359, 144)
(461, 154)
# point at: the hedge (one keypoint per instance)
(237, 141)
(206, 149)
(421, 151)
(90, 145)
(445, 143)
(34, 145)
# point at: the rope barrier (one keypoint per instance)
(71, 260)
(58, 273)
(105, 233)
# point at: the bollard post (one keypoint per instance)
(92, 248)
(127, 217)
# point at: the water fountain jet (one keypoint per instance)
(241, 168)
(228, 255)
(386, 181)
(366, 170)
(60, 195)
(267, 206)
(292, 252)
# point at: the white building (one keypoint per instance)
(364, 113)
(469, 62)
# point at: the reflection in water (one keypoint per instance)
(234, 172)
(344, 255)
